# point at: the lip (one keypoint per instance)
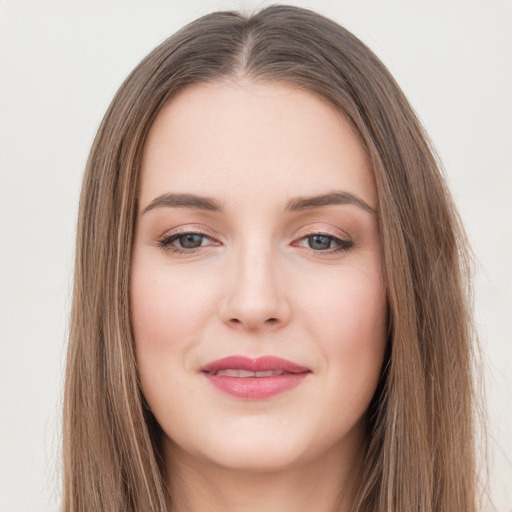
(255, 388)
(261, 364)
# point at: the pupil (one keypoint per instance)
(319, 242)
(191, 241)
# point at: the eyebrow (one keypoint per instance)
(184, 201)
(296, 204)
(334, 198)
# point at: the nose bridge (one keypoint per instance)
(256, 297)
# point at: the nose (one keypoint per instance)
(256, 298)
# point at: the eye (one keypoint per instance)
(321, 242)
(184, 242)
(190, 240)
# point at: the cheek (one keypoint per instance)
(351, 306)
(168, 311)
(349, 322)
(166, 305)
(361, 316)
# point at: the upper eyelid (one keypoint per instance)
(187, 230)
(320, 233)
(334, 233)
(211, 234)
(171, 233)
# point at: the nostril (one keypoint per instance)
(254, 321)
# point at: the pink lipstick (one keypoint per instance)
(254, 379)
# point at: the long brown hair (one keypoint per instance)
(420, 453)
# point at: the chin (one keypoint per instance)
(249, 449)
(264, 457)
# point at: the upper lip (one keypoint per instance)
(261, 364)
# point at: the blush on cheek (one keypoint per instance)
(153, 306)
(353, 305)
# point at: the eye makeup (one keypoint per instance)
(315, 241)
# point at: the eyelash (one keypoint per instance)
(344, 245)
(166, 243)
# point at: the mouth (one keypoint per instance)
(246, 373)
(254, 379)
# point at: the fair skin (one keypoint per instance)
(261, 272)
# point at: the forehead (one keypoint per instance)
(259, 140)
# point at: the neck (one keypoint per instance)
(326, 484)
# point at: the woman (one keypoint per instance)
(269, 305)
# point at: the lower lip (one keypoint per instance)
(256, 388)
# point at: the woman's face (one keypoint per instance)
(257, 237)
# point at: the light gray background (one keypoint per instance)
(60, 64)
